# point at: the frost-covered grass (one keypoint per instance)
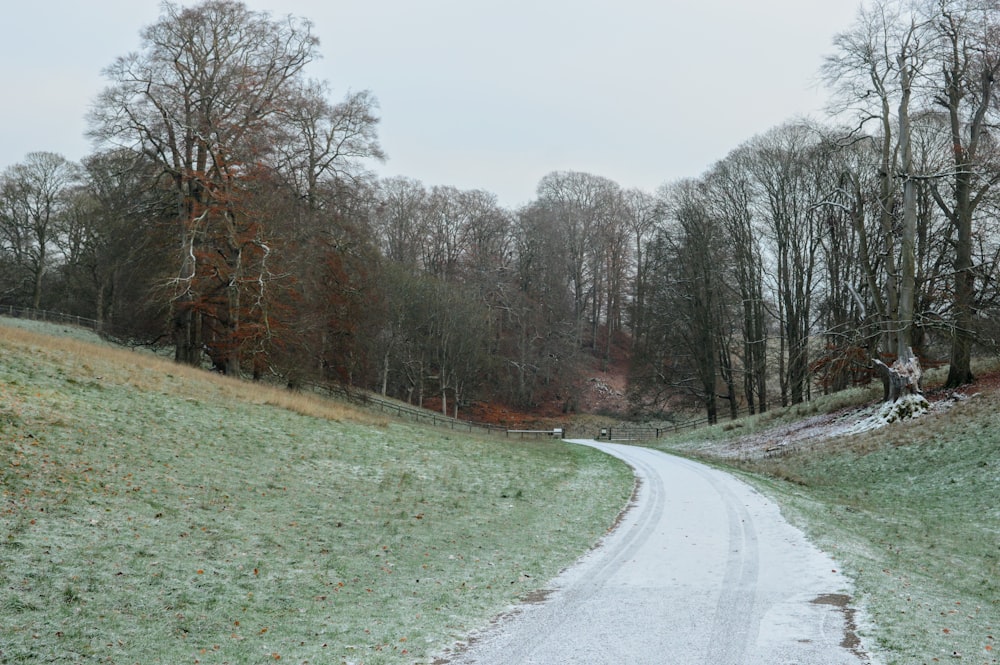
(790, 416)
(63, 331)
(912, 511)
(155, 514)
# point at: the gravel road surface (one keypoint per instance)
(702, 570)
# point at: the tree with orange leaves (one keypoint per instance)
(204, 98)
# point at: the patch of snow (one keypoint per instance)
(817, 430)
(907, 406)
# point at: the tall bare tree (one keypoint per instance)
(966, 57)
(874, 72)
(642, 214)
(687, 349)
(786, 169)
(733, 199)
(203, 97)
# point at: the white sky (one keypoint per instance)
(481, 94)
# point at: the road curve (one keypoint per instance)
(702, 570)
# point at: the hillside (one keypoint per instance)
(911, 510)
(158, 514)
(155, 513)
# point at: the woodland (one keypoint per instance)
(230, 213)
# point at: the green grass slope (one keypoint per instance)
(154, 514)
(912, 510)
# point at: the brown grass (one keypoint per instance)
(148, 372)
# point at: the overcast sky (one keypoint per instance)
(481, 94)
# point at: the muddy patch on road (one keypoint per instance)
(851, 641)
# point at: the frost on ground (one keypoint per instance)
(820, 428)
(907, 406)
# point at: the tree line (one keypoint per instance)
(229, 212)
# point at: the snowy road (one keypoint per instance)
(703, 570)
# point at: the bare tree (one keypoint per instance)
(732, 196)
(966, 55)
(399, 221)
(785, 169)
(583, 207)
(923, 54)
(202, 98)
(487, 240)
(319, 141)
(34, 196)
(617, 259)
(686, 351)
(874, 72)
(642, 214)
(445, 221)
(540, 343)
(113, 243)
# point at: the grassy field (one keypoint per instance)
(912, 511)
(156, 514)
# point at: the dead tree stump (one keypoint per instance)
(903, 377)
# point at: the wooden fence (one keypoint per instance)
(417, 414)
(629, 433)
(402, 410)
(49, 317)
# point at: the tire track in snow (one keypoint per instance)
(701, 570)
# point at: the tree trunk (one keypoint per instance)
(36, 293)
(385, 374)
(960, 371)
(728, 375)
(188, 341)
(903, 377)
(904, 338)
